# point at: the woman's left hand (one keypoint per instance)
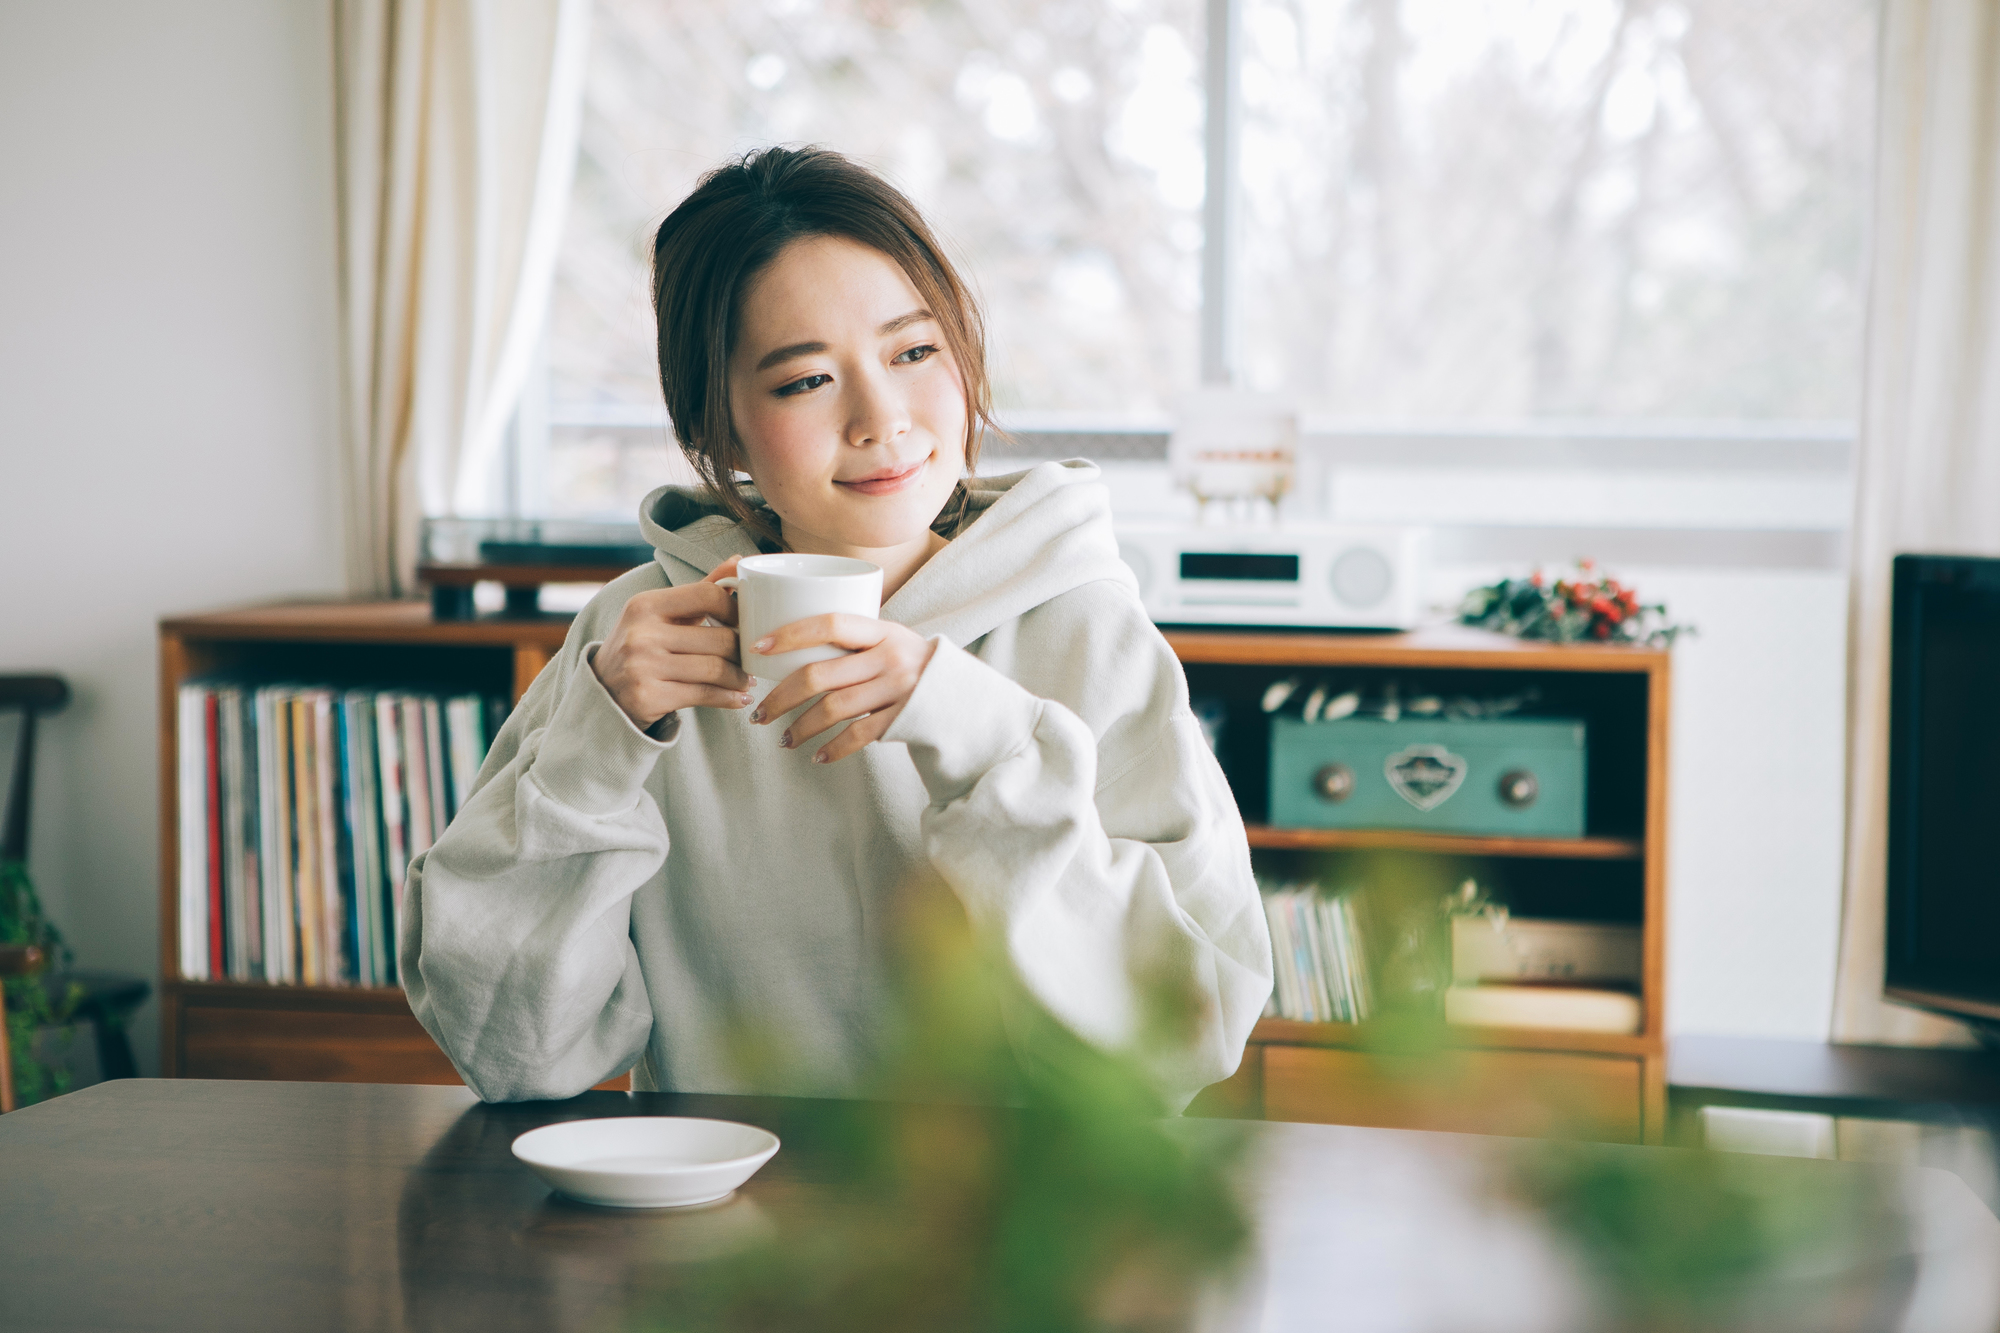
(871, 683)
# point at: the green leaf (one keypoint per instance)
(29, 1007)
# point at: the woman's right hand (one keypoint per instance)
(662, 658)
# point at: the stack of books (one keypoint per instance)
(300, 809)
(1525, 972)
(1322, 974)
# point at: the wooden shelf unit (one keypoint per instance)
(1493, 1080)
(1309, 1071)
(225, 1029)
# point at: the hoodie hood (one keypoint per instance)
(1026, 538)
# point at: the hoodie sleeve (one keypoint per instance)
(1106, 854)
(515, 948)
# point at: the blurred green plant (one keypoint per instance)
(1671, 1240)
(1082, 1213)
(1690, 1239)
(30, 1008)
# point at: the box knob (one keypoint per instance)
(1335, 782)
(1518, 788)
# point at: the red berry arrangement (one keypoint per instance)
(1589, 608)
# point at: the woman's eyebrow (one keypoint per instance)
(807, 349)
(787, 353)
(903, 321)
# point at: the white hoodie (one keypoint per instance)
(605, 899)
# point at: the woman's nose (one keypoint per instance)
(878, 413)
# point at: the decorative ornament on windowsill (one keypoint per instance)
(1236, 452)
(1592, 607)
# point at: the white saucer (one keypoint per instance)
(646, 1161)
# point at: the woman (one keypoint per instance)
(658, 859)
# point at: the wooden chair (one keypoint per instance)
(108, 998)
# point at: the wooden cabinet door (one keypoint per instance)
(1475, 1092)
(231, 1041)
(318, 1045)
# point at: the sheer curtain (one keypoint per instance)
(1928, 476)
(457, 123)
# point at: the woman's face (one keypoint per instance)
(849, 408)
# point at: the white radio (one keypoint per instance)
(1324, 575)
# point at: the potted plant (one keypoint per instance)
(39, 1072)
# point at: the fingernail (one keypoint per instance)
(745, 697)
(761, 644)
(756, 715)
(785, 741)
(820, 757)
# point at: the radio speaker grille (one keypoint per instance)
(1362, 577)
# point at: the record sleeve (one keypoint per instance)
(191, 797)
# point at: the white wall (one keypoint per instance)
(167, 389)
(1756, 803)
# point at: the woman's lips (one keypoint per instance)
(888, 481)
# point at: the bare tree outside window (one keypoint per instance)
(1492, 210)
(1482, 212)
(1056, 143)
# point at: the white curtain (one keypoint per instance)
(457, 123)
(1928, 478)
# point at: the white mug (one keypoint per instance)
(773, 591)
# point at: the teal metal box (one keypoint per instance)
(1519, 777)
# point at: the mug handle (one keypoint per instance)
(733, 583)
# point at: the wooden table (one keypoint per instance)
(217, 1206)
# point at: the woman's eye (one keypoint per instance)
(915, 354)
(804, 385)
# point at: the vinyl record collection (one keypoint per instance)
(1322, 972)
(301, 807)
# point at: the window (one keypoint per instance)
(1556, 208)
(1480, 216)
(1055, 144)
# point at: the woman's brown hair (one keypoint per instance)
(738, 220)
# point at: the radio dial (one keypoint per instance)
(1334, 783)
(1362, 577)
(1518, 789)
